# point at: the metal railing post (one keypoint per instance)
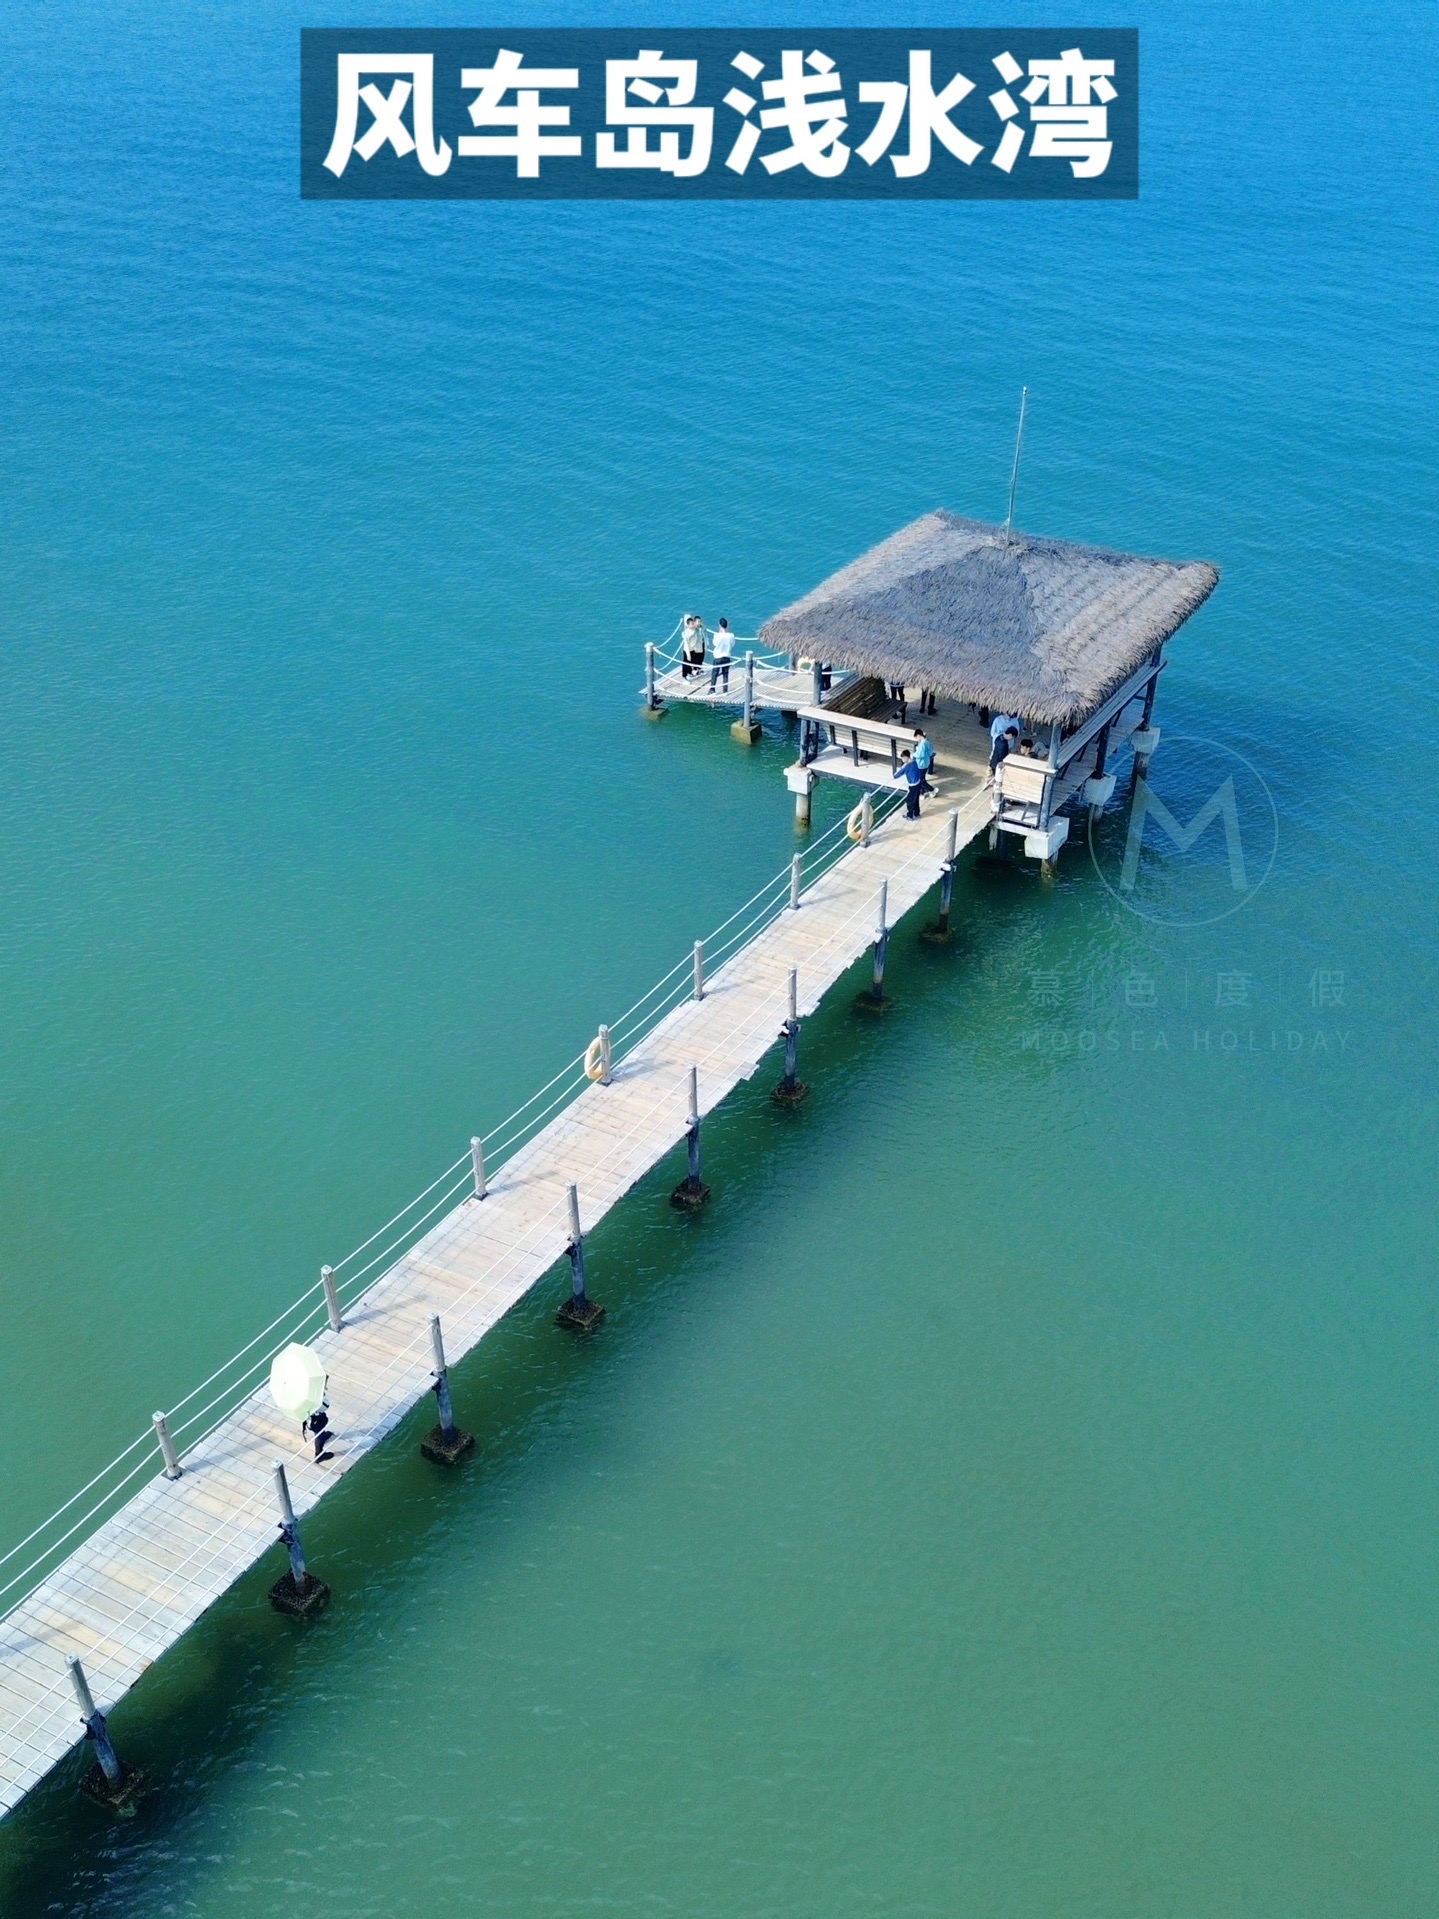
(866, 819)
(699, 986)
(749, 688)
(477, 1161)
(796, 881)
(605, 1056)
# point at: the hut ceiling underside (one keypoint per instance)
(1043, 628)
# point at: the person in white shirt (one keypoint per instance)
(722, 652)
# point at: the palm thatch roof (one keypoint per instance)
(1041, 628)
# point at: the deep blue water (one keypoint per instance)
(1018, 1496)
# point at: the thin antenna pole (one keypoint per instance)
(1014, 470)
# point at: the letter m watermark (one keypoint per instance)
(1221, 803)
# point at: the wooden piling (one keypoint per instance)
(445, 1443)
(112, 1783)
(746, 729)
(297, 1592)
(791, 1089)
(937, 933)
(874, 1001)
(691, 1193)
(579, 1312)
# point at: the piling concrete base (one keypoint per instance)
(580, 1315)
(785, 1095)
(121, 1797)
(935, 934)
(866, 1002)
(301, 1602)
(689, 1198)
(446, 1448)
(746, 735)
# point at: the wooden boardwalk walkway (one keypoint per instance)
(149, 1571)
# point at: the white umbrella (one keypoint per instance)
(297, 1381)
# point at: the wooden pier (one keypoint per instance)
(754, 682)
(143, 1578)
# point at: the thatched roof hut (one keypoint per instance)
(1042, 628)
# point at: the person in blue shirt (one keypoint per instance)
(924, 759)
(912, 773)
(1004, 744)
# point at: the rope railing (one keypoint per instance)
(236, 1380)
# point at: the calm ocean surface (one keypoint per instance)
(1019, 1494)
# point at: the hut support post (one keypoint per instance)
(691, 1193)
(1145, 737)
(579, 1312)
(817, 686)
(1099, 786)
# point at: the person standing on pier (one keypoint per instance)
(912, 773)
(924, 759)
(693, 645)
(721, 653)
(1004, 745)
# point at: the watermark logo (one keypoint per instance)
(1198, 838)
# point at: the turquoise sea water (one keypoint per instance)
(1017, 1494)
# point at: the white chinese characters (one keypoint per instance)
(665, 88)
(387, 128)
(809, 107)
(526, 142)
(1068, 125)
(656, 113)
